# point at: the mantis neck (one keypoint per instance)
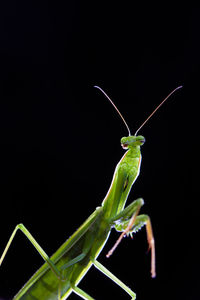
(124, 176)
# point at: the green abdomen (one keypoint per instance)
(88, 239)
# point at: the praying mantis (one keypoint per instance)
(60, 274)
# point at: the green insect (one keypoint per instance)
(60, 274)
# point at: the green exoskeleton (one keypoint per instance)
(60, 274)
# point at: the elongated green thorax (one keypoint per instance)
(124, 176)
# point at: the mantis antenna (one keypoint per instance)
(179, 87)
(147, 119)
(129, 133)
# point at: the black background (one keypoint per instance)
(59, 137)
